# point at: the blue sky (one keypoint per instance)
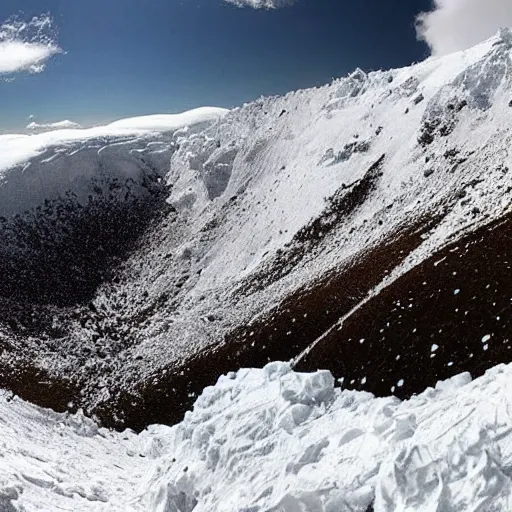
(133, 57)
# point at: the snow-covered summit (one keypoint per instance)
(17, 149)
(33, 126)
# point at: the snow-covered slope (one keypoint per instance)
(273, 440)
(55, 164)
(270, 224)
(71, 199)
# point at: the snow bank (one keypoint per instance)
(273, 440)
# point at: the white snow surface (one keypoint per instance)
(273, 440)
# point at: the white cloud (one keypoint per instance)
(27, 46)
(455, 25)
(261, 4)
(17, 56)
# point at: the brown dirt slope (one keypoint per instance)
(460, 299)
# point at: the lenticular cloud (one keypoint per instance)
(455, 25)
(26, 46)
(261, 4)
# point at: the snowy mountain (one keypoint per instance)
(123, 275)
(362, 227)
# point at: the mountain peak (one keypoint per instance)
(505, 35)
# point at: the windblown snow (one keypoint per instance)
(273, 440)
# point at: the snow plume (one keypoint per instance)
(455, 25)
(261, 4)
(26, 46)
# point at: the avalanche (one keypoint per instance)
(273, 440)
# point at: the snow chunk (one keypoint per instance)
(274, 371)
(441, 450)
(308, 389)
(456, 382)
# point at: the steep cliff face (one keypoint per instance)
(262, 234)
